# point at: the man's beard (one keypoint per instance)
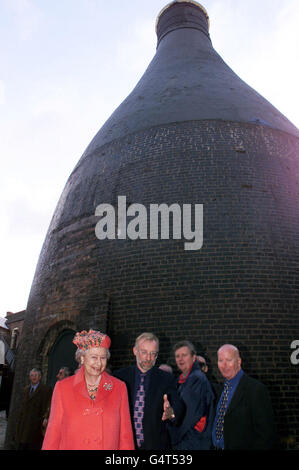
(146, 365)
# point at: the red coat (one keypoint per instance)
(78, 423)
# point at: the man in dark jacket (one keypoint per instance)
(244, 416)
(158, 392)
(195, 390)
(36, 400)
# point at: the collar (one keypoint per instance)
(183, 377)
(79, 379)
(147, 373)
(34, 386)
(235, 380)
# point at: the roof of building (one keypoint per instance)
(3, 323)
(187, 80)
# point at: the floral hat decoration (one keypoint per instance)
(91, 339)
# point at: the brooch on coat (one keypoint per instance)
(108, 386)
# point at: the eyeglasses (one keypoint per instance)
(153, 354)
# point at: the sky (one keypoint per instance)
(65, 65)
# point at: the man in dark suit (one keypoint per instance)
(244, 416)
(160, 400)
(36, 400)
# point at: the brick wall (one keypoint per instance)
(241, 287)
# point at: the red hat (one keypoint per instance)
(92, 339)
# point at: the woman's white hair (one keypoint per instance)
(81, 352)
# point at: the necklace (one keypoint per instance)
(92, 390)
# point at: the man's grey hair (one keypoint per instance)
(185, 343)
(146, 337)
(35, 369)
(67, 370)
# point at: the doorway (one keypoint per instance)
(62, 354)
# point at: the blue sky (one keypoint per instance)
(65, 65)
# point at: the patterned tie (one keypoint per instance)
(221, 413)
(138, 411)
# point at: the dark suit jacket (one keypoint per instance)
(33, 408)
(155, 431)
(249, 419)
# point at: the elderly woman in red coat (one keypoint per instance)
(89, 410)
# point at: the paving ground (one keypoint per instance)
(3, 424)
